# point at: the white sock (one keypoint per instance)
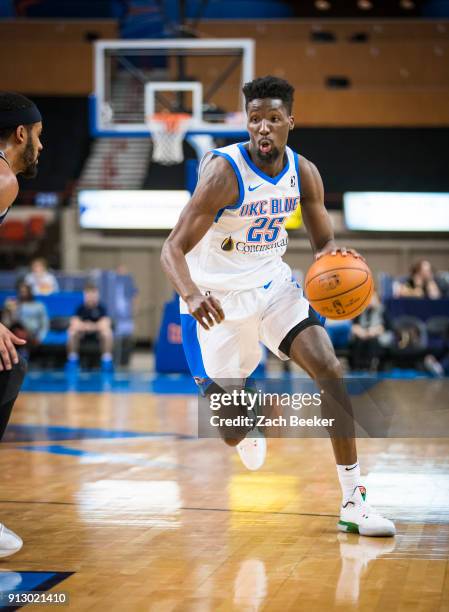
(73, 356)
(349, 477)
(106, 357)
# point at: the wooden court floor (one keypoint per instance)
(113, 489)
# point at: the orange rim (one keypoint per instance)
(171, 120)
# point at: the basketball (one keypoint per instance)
(339, 287)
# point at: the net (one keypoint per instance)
(167, 133)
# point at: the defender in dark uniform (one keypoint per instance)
(20, 146)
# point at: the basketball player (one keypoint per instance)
(20, 129)
(224, 258)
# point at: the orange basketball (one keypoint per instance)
(339, 287)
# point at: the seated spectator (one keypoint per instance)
(26, 318)
(421, 283)
(91, 320)
(369, 337)
(40, 279)
(411, 346)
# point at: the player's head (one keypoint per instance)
(269, 102)
(20, 129)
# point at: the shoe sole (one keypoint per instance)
(9, 552)
(348, 527)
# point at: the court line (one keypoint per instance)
(259, 512)
(13, 501)
(17, 501)
(193, 508)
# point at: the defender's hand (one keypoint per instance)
(8, 354)
(333, 250)
(206, 309)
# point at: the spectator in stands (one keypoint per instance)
(370, 337)
(91, 320)
(421, 283)
(41, 280)
(26, 317)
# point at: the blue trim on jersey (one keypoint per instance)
(274, 180)
(296, 156)
(192, 350)
(239, 181)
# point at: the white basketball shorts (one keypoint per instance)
(231, 349)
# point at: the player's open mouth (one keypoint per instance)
(265, 146)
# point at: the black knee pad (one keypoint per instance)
(11, 381)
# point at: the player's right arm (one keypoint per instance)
(217, 187)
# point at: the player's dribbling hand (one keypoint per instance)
(8, 353)
(333, 250)
(207, 310)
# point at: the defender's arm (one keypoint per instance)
(217, 188)
(9, 188)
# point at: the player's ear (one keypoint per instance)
(21, 134)
(291, 122)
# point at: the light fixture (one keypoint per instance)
(322, 5)
(364, 5)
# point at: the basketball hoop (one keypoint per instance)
(167, 133)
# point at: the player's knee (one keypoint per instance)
(331, 368)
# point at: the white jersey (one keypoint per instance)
(243, 249)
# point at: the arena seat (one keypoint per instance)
(422, 309)
(13, 231)
(438, 335)
(60, 307)
(36, 226)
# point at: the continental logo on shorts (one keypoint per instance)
(329, 282)
(227, 244)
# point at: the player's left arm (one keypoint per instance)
(315, 216)
(9, 188)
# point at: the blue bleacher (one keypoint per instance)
(58, 305)
(62, 305)
(239, 9)
(7, 9)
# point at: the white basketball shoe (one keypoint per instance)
(356, 516)
(252, 452)
(10, 542)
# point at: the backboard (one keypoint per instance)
(135, 79)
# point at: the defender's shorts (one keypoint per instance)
(231, 350)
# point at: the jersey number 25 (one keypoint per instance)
(265, 229)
